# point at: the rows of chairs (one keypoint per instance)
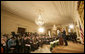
(32, 46)
(72, 37)
(37, 44)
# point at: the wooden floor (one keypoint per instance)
(71, 48)
(44, 49)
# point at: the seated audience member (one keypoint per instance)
(27, 45)
(3, 42)
(12, 44)
(17, 44)
(2, 50)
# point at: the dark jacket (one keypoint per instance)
(64, 34)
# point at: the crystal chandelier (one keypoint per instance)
(39, 21)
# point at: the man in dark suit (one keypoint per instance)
(64, 37)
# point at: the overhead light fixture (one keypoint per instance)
(39, 21)
(71, 26)
(41, 29)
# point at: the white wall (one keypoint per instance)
(10, 22)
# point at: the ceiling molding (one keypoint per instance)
(55, 12)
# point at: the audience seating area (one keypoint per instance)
(25, 43)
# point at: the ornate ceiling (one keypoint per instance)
(54, 12)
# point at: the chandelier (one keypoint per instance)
(39, 21)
